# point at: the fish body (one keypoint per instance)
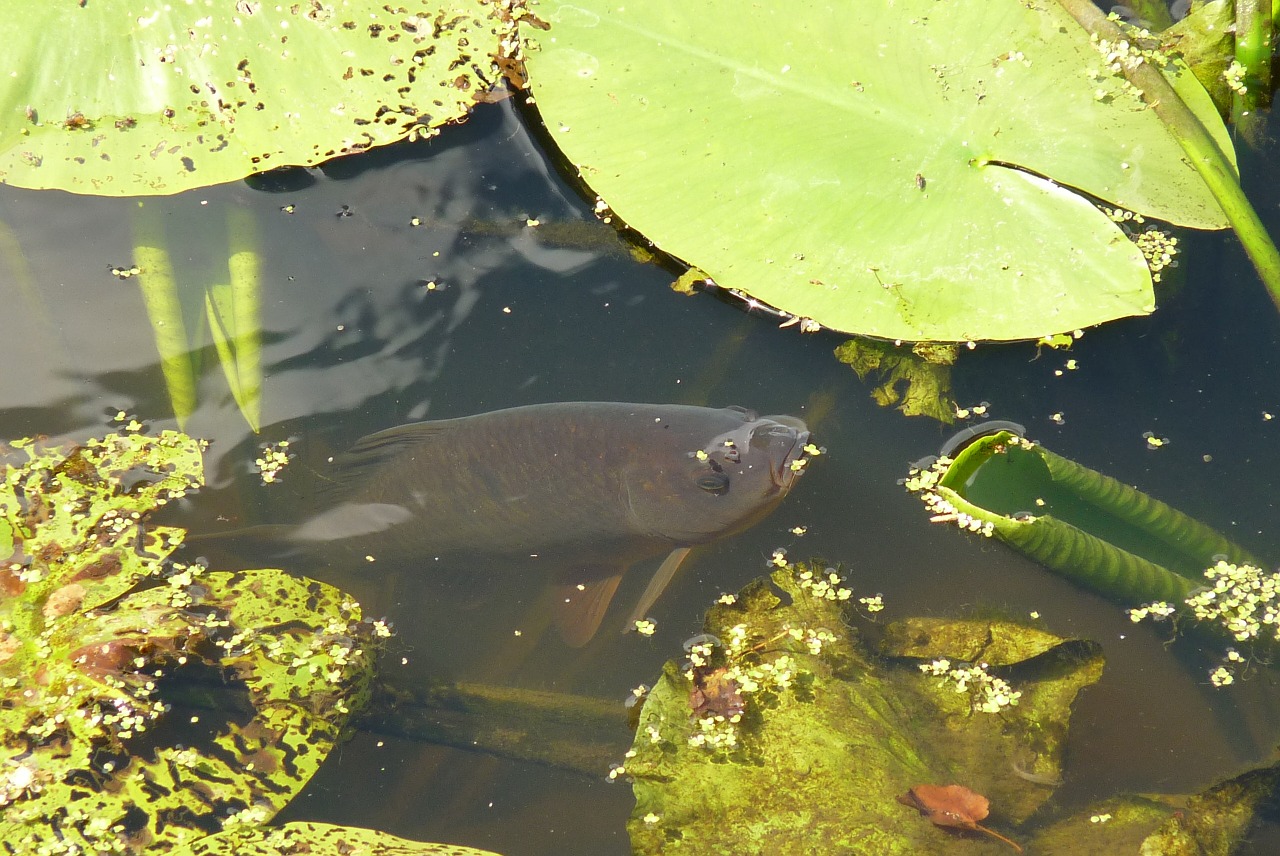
(586, 488)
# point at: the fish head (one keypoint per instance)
(722, 471)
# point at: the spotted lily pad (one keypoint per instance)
(912, 170)
(320, 839)
(117, 97)
(94, 624)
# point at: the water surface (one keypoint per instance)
(356, 341)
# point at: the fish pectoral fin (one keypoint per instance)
(661, 579)
(580, 607)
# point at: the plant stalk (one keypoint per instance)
(1202, 151)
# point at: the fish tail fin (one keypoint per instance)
(268, 541)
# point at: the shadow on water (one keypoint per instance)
(406, 285)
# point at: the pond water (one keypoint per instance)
(355, 340)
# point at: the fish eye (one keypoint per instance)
(713, 482)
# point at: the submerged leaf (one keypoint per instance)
(164, 311)
(782, 728)
(1205, 39)
(894, 170)
(920, 384)
(947, 805)
(234, 317)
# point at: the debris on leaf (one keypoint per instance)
(715, 693)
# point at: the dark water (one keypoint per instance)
(355, 342)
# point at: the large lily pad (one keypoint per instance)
(116, 97)
(320, 839)
(92, 756)
(894, 169)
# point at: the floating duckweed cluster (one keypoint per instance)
(925, 481)
(1158, 248)
(826, 585)
(275, 457)
(987, 693)
(730, 674)
(1121, 215)
(1242, 600)
(724, 690)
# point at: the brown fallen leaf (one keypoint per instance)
(715, 693)
(953, 806)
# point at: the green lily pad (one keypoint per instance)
(788, 736)
(118, 98)
(92, 758)
(319, 839)
(899, 170)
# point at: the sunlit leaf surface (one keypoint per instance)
(117, 97)
(891, 169)
(93, 758)
(321, 839)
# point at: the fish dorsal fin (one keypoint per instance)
(374, 451)
(580, 607)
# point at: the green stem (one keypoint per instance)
(164, 310)
(1202, 151)
(1253, 51)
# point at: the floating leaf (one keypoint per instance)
(92, 758)
(319, 839)
(899, 170)
(118, 98)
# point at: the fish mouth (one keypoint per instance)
(783, 439)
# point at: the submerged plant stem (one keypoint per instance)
(1202, 151)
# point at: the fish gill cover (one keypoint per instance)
(95, 624)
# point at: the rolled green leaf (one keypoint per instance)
(1087, 526)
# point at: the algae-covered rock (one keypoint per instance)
(784, 735)
(95, 624)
